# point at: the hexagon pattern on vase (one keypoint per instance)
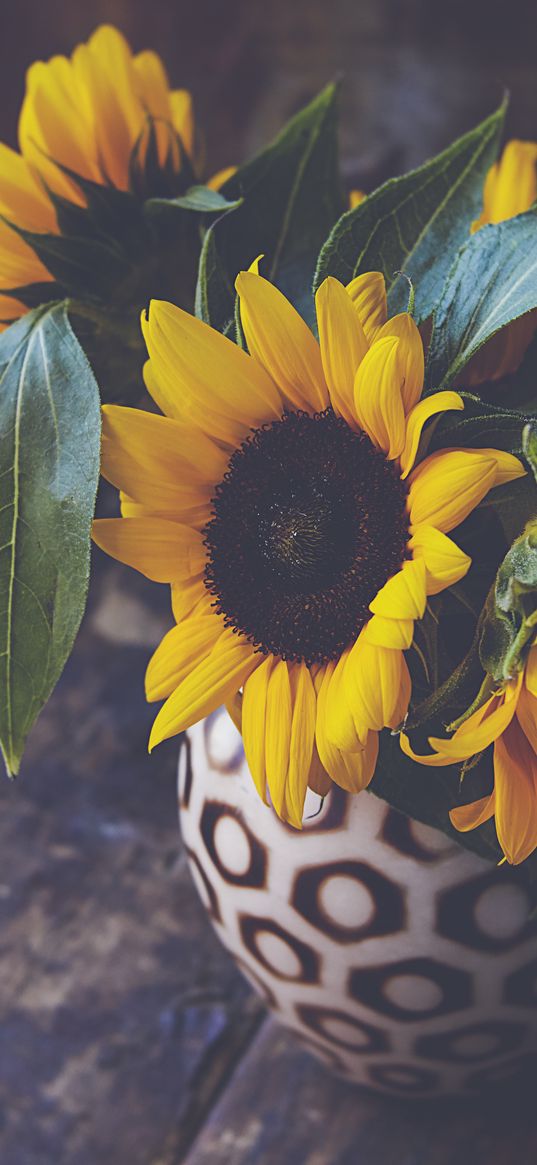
(405, 962)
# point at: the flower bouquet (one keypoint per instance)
(332, 465)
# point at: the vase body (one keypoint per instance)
(405, 962)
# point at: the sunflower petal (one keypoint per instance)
(447, 486)
(302, 741)
(343, 345)
(197, 373)
(445, 562)
(278, 721)
(404, 595)
(467, 817)
(211, 683)
(377, 397)
(281, 342)
(515, 785)
(159, 462)
(163, 551)
(422, 412)
(410, 356)
(368, 295)
(179, 652)
(254, 710)
(373, 679)
(384, 632)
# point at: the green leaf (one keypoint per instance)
(428, 795)
(492, 282)
(529, 446)
(291, 196)
(200, 199)
(413, 225)
(49, 466)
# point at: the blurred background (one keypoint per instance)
(123, 1024)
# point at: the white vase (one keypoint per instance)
(406, 963)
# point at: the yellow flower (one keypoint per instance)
(509, 721)
(278, 496)
(510, 189)
(86, 113)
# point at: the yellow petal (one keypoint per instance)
(211, 683)
(198, 374)
(430, 760)
(349, 770)
(483, 727)
(216, 181)
(377, 397)
(254, 709)
(302, 740)
(278, 722)
(373, 678)
(410, 356)
(183, 117)
(511, 185)
(404, 596)
(447, 486)
(530, 675)
(515, 784)
(158, 461)
(179, 652)
(318, 779)
(22, 197)
(186, 596)
(281, 342)
(526, 712)
(164, 551)
(439, 402)
(466, 817)
(368, 295)
(345, 728)
(445, 563)
(384, 632)
(355, 198)
(343, 345)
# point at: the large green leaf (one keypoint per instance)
(291, 198)
(413, 226)
(49, 467)
(493, 281)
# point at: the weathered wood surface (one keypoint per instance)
(127, 1036)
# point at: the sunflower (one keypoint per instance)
(91, 115)
(510, 189)
(508, 721)
(280, 498)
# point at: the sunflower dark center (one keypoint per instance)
(308, 523)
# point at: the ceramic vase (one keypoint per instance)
(405, 962)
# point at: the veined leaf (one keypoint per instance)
(291, 197)
(200, 199)
(49, 468)
(413, 225)
(493, 281)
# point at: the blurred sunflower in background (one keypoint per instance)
(92, 208)
(280, 498)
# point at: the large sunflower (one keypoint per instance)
(279, 497)
(508, 721)
(90, 115)
(510, 189)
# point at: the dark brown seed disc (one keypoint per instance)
(308, 523)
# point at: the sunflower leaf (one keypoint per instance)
(492, 282)
(411, 227)
(291, 196)
(200, 199)
(49, 465)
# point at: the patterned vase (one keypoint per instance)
(405, 962)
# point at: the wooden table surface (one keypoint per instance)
(127, 1035)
